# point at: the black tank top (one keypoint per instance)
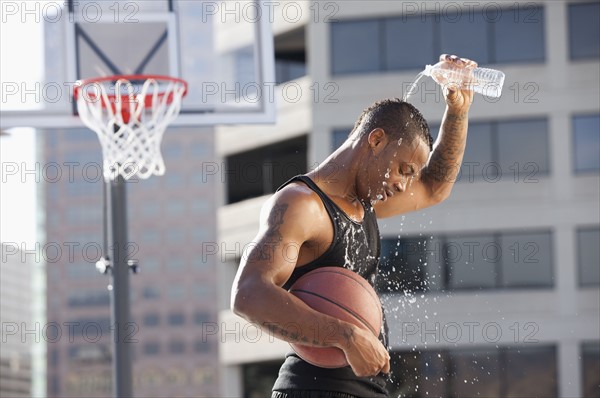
(355, 246)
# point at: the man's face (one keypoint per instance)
(391, 171)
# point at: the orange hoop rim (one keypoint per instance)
(159, 78)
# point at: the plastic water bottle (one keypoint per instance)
(481, 80)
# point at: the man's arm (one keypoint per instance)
(288, 220)
(435, 181)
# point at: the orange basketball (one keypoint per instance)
(344, 295)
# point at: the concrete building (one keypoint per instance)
(497, 290)
(172, 298)
(18, 331)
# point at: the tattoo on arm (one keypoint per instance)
(292, 336)
(272, 237)
(445, 161)
(348, 335)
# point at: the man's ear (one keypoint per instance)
(377, 140)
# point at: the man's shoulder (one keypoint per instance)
(297, 198)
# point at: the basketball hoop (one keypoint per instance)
(130, 113)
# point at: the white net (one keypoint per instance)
(130, 122)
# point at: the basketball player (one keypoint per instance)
(387, 166)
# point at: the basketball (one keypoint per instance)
(344, 295)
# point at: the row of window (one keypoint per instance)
(175, 347)
(525, 370)
(101, 353)
(517, 150)
(501, 371)
(101, 298)
(495, 260)
(489, 35)
(175, 319)
(88, 181)
(487, 372)
(178, 379)
(261, 171)
(201, 291)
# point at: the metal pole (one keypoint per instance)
(121, 364)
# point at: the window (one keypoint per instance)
(474, 261)
(175, 209)
(584, 30)
(89, 299)
(176, 263)
(487, 35)
(507, 151)
(474, 372)
(176, 319)
(201, 346)
(530, 371)
(409, 42)
(148, 209)
(590, 367)
(82, 271)
(200, 150)
(90, 327)
(172, 151)
(288, 69)
(260, 377)
(174, 179)
(290, 55)
(151, 292)
(338, 137)
(347, 37)
(481, 371)
(586, 143)
(176, 347)
(54, 357)
(89, 215)
(176, 292)
(479, 152)
(454, 33)
(200, 207)
(151, 320)
(518, 34)
(200, 234)
(471, 262)
(523, 147)
(175, 236)
(402, 267)
(150, 264)
(151, 348)
(261, 171)
(203, 291)
(150, 236)
(588, 253)
(526, 259)
(201, 317)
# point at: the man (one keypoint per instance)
(386, 167)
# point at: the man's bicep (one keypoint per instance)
(273, 254)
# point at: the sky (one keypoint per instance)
(21, 60)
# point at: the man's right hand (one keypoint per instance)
(364, 352)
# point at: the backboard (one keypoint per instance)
(223, 49)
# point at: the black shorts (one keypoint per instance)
(310, 394)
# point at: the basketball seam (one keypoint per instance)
(334, 271)
(354, 314)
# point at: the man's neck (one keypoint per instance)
(337, 174)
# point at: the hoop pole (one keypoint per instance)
(122, 328)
